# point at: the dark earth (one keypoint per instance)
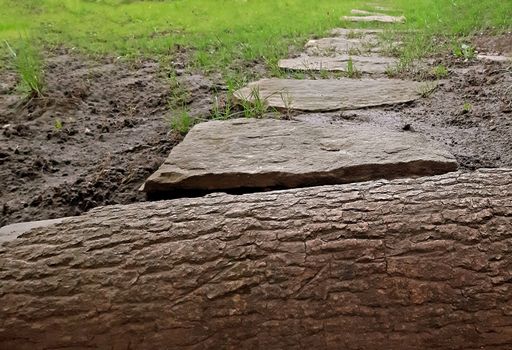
(102, 127)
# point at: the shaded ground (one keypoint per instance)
(114, 133)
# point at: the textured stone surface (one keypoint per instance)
(341, 45)
(494, 58)
(364, 64)
(407, 264)
(356, 32)
(332, 94)
(11, 232)
(269, 153)
(375, 18)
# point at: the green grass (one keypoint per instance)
(228, 35)
(26, 59)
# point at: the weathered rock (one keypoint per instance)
(365, 13)
(375, 18)
(10, 232)
(494, 58)
(342, 45)
(269, 153)
(331, 94)
(407, 264)
(363, 64)
(356, 32)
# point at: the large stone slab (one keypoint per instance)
(339, 63)
(268, 153)
(331, 94)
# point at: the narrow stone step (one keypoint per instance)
(333, 46)
(331, 94)
(355, 32)
(269, 154)
(383, 18)
(339, 63)
(494, 58)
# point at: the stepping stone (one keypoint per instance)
(355, 32)
(341, 45)
(13, 231)
(365, 13)
(269, 154)
(363, 64)
(331, 94)
(375, 18)
(494, 58)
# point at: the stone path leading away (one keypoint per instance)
(267, 154)
(357, 47)
(270, 153)
(331, 94)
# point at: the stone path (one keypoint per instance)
(263, 154)
(269, 153)
(360, 47)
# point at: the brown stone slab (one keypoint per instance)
(269, 153)
(363, 64)
(331, 94)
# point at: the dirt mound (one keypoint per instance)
(95, 136)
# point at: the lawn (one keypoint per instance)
(222, 34)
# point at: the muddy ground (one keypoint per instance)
(114, 131)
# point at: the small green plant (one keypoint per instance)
(287, 102)
(352, 71)
(254, 106)
(464, 51)
(392, 71)
(324, 74)
(181, 121)
(467, 107)
(28, 63)
(58, 124)
(427, 89)
(179, 95)
(440, 71)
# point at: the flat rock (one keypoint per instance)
(364, 64)
(494, 58)
(355, 32)
(375, 18)
(331, 94)
(341, 45)
(13, 231)
(269, 153)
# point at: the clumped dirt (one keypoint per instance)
(92, 140)
(114, 131)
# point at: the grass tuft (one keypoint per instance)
(27, 61)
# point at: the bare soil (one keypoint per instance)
(114, 130)
(115, 133)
